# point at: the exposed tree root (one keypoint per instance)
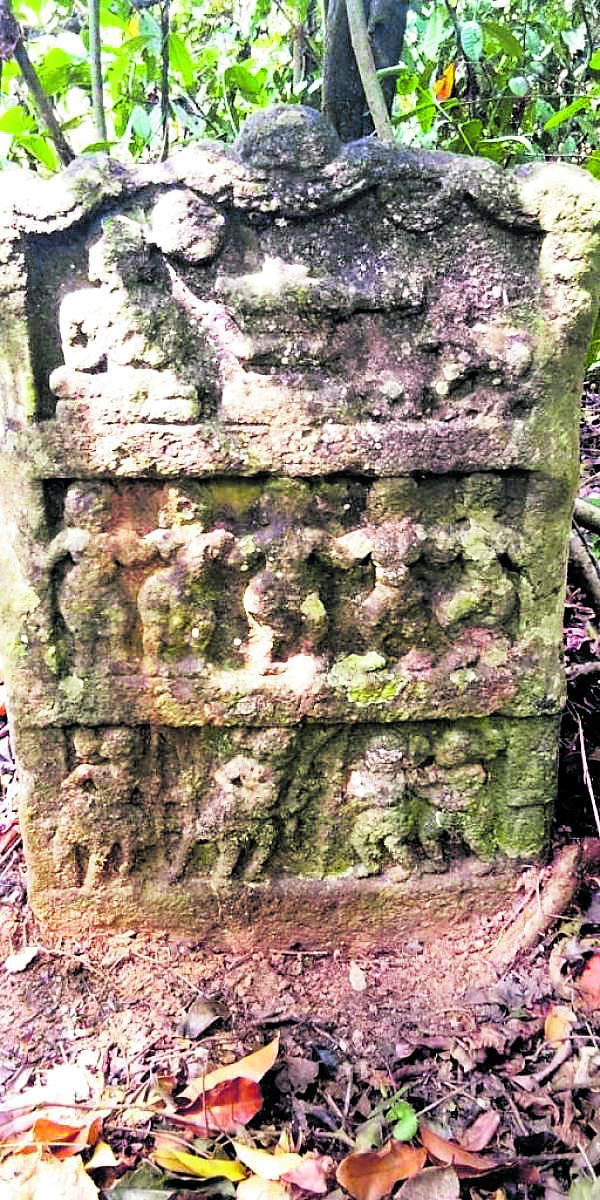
(549, 897)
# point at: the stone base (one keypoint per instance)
(351, 914)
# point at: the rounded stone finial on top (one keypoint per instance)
(291, 137)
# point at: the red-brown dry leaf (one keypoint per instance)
(224, 1107)
(589, 982)
(454, 1155)
(371, 1174)
(63, 1141)
(481, 1132)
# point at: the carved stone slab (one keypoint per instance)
(289, 449)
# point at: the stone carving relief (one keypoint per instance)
(182, 313)
(105, 822)
(414, 796)
(236, 804)
(224, 795)
(251, 574)
(293, 427)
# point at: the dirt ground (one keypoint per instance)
(453, 1027)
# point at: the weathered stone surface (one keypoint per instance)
(289, 450)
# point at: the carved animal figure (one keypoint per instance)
(237, 816)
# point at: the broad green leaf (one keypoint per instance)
(181, 60)
(519, 85)
(592, 164)
(248, 83)
(109, 18)
(140, 123)
(471, 39)
(594, 62)
(543, 111)
(425, 116)
(434, 34)
(55, 70)
(505, 39)
(565, 114)
(405, 1120)
(406, 82)
(575, 39)
(41, 149)
(16, 120)
(147, 1183)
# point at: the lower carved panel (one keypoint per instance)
(116, 809)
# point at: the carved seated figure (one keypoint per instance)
(237, 816)
(101, 826)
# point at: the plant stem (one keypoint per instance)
(366, 69)
(164, 78)
(42, 103)
(96, 69)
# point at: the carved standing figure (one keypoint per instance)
(91, 600)
(100, 823)
(175, 602)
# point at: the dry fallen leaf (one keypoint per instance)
(453, 1154)
(255, 1188)
(20, 960)
(480, 1133)
(31, 1177)
(442, 88)
(312, 1175)
(172, 1158)
(433, 1183)
(253, 1066)
(358, 979)
(199, 1017)
(224, 1107)
(588, 983)
(559, 1023)
(103, 1156)
(370, 1174)
(265, 1164)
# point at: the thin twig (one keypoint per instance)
(586, 774)
(165, 22)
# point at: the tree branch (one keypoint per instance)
(42, 103)
(588, 515)
(585, 564)
(13, 46)
(366, 67)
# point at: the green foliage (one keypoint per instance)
(526, 81)
(525, 88)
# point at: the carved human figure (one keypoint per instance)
(91, 600)
(236, 815)
(376, 788)
(100, 824)
(176, 602)
(283, 609)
